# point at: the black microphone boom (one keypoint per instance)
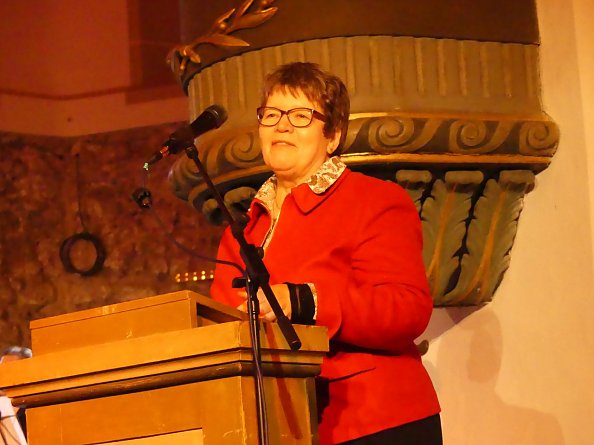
(211, 118)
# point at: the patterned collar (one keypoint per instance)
(319, 182)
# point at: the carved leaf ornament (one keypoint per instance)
(218, 35)
(444, 216)
(490, 237)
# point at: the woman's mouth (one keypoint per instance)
(283, 143)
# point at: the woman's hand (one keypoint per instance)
(281, 291)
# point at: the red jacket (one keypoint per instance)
(360, 244)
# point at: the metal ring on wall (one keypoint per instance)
(66, 249)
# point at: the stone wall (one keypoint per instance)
(39, 210)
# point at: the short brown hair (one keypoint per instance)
(320, 87)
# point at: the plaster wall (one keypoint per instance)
(519, 370)
(66, 71)
(49, 42)
(585, 48)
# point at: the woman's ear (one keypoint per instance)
(333, 142)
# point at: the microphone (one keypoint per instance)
(211, 118)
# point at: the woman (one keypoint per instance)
(344, 251)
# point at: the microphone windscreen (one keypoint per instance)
(219, 113)
(211, 118)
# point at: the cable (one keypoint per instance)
(143, 198)
(190, 252)
(78, 198)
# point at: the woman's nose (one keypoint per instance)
(284, 124)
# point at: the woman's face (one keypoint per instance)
(294, 154)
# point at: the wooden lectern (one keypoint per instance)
(165, 370)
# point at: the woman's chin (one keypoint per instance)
(283, 171)
(280, 164)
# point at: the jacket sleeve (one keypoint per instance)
(383, 301)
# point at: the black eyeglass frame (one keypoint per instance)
(314, 113)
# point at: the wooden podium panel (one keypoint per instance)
(190, 437)
(185, 385)
(224, 410)
(162, 313)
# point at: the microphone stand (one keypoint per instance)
(257, 276)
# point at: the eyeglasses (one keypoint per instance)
(298, 117)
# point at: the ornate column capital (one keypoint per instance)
(453, 117)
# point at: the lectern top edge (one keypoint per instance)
(132, 305)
